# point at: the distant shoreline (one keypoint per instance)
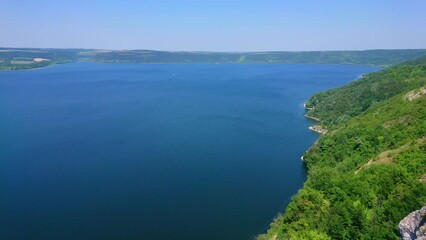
(21, 58)
(177, 63)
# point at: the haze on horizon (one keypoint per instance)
(191, 25)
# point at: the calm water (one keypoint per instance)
(124, 151)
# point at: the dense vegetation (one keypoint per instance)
(338, 105)
(23, 58)
(364, 174)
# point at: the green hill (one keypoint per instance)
(364, 174)
(339, 105)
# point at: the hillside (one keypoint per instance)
(339, 105)
(25, 58)
(367, 173)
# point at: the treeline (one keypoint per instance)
(368, 57)
(364, 174)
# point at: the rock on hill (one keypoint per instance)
(413, 227)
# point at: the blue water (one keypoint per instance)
(127, 151)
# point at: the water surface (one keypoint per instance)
(128, 151)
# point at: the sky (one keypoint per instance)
(219, 25)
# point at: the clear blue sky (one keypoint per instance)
(241, 25)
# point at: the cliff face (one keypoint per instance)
(414, 225)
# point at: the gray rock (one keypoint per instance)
(413, 226)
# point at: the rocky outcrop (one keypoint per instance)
(318, 128)
(413, 226)
(415, 94)
(313, 118)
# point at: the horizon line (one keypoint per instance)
(208, 51)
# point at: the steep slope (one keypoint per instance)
(339, 105)
(364, 174)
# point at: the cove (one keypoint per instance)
(147, 151)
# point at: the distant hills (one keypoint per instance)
(23, 58)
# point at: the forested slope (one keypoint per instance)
(364, 175)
